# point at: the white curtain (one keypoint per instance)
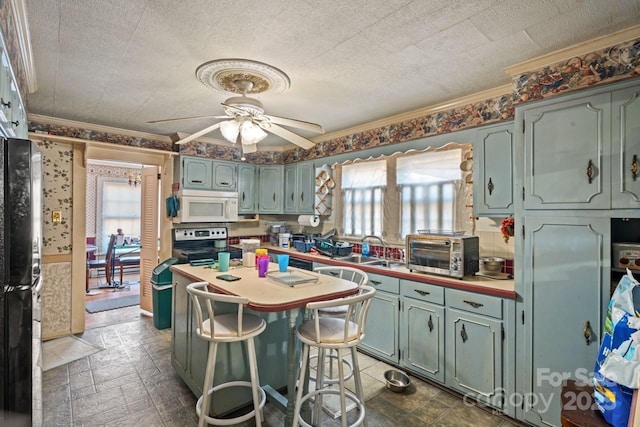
(118, 207)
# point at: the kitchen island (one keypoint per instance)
(279, 304)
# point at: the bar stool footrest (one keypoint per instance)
(348, 395)
(347, 376)
(231, 421)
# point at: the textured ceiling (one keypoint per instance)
(123, 62)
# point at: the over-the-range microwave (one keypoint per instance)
(207, 206)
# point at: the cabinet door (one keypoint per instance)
(381, 332)
(567, 154)
(270, 189)
(422, 338)
(306, 185)
(626, 148)
(290, 189)
(565, 290)
(246, 188)
(474, 356)
(196, 173)
(180, 326)
(224, 176)
(493, 171)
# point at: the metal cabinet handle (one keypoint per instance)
(224, 183)
(430, 324)
(463, 334)
(423, 293)
(334, 273)
(16, 123)
(292, 197)
(5, 104)
(490, 186)
(634, 167)
(243, 196)
(274, 197)
(196, 181)
(587, 333)
(302, 196)
(590, 171)
(375, 282)
(473, 304)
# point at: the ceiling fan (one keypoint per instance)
(247, 122)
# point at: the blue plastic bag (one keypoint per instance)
(613, 399)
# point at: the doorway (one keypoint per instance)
(113, 208)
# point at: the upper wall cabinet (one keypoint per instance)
(493, 171)
(269, 189)
(199, 173)
(13, 116)
(246, 188)
(567, 146)
(626, 148)
(298, 188)
(582, 152)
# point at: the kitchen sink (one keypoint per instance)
(373, 261)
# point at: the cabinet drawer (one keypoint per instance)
(422, 291)
(384, 283)
(475, 303)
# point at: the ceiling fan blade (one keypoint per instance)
(299, 124)
(199, 133)
(187, 118)
(288, 135)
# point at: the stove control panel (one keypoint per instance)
(196, 234)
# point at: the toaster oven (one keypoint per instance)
(448, 255)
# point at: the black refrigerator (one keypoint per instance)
(20, 257)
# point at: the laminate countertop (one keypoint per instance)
(500, 286)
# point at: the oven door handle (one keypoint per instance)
(433, 242)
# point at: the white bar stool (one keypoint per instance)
(334, 334)
(353, 275)
(226, 328)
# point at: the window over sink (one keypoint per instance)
(392, 196)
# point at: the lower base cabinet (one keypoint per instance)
(463, 340)
(189, 352)
(381, 331)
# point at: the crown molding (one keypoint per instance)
(19, 9)
(421, 112)
(37, 118)
(579, 49)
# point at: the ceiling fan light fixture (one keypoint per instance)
(230, 130)
(251, 134)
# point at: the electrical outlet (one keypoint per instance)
(56, 217)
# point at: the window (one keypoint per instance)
(400, 194)
(428, 184)
(363, 187)
(119, 207)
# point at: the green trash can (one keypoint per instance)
(161, 280)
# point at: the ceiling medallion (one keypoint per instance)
(220, 74)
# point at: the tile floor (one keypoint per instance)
(132, 383)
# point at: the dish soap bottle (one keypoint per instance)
(365, 249)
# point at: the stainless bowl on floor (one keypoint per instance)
(396, 381)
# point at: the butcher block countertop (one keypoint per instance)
(481, 284)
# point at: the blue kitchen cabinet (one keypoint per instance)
(299, 181)
(270, 184)
(626, 148)
(565, 289)
(567, 152)
(225, 175)
(493, 171)
(474, 354)
(422, 330)
(382, 328)
(246, 188)
(196, 173)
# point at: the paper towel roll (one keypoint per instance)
(310, 220)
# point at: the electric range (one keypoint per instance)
(194, 244)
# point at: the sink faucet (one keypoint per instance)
(384, 246)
